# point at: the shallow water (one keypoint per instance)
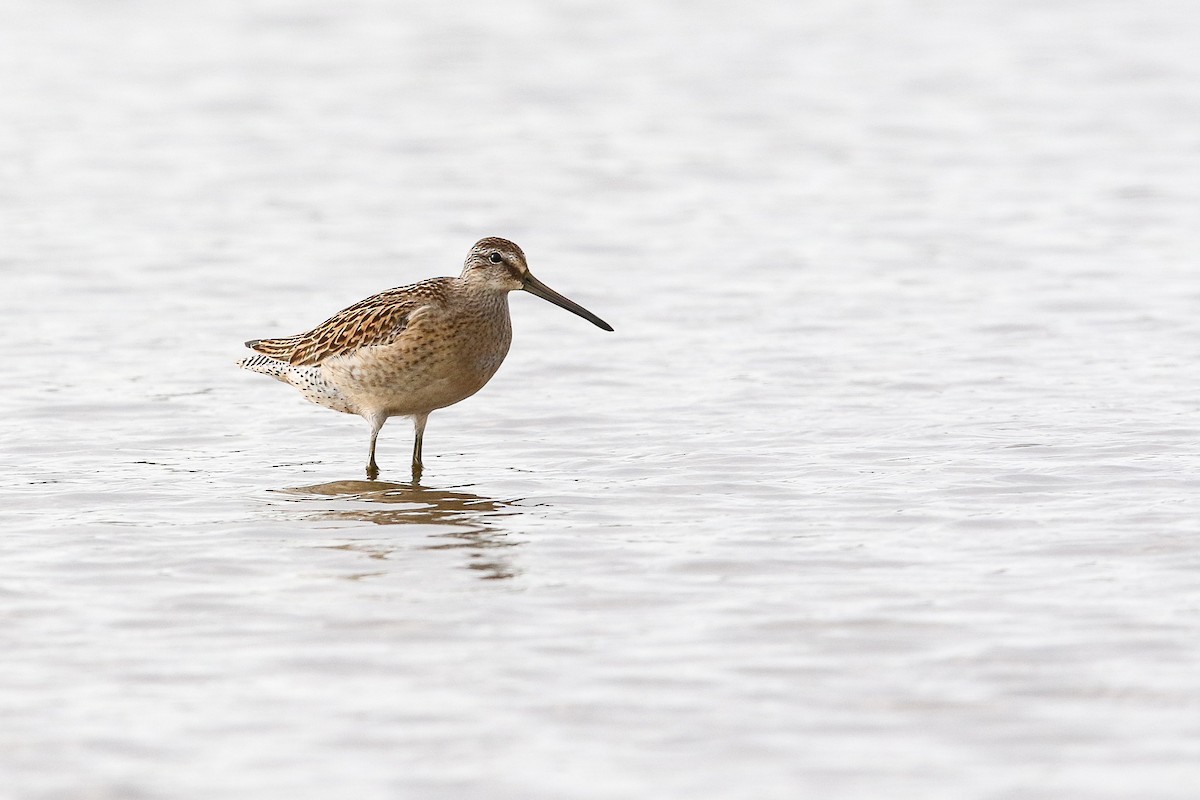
(885, 485)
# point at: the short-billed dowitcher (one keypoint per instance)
(409, 351)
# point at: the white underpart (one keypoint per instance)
(308, 379)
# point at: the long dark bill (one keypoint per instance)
(539, 289)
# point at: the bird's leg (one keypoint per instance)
(419, 424)
(372, 467)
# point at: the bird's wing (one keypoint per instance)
(379, 320)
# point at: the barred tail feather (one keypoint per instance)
(309, 380)
(267, 366)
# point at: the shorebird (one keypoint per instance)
(409, 351)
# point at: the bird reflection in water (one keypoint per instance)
(467, 519)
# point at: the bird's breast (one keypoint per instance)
(439, 362)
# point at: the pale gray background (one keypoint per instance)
(885, 486)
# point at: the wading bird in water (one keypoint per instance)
(409, 351)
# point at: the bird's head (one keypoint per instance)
(500, 265)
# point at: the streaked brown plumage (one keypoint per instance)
(412, 350)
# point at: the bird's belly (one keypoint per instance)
(405, 381)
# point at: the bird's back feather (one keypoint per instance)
(378, 320)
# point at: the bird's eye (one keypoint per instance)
(495, 258)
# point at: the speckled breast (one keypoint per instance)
(445, 359)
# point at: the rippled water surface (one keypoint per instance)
(885, 485)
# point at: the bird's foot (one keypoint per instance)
(372, 471)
